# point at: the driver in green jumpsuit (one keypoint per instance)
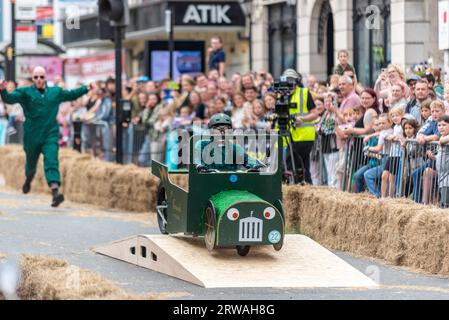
(231, 153)
(40, 105)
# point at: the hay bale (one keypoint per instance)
(89, 180)
(45, 278)
(396, 230)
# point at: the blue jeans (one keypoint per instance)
(128, 139)
(107, 142)
(417, 180)
(145, 152)
(373, 176)
(359, 178)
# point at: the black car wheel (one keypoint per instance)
(161, 210)
(243, 250)
(210, 227)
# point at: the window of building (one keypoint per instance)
(282, 38)
(372, 38)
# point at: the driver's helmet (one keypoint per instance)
(220, 120)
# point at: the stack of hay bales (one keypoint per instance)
(87, 180)
(45, 278)
(397, 230)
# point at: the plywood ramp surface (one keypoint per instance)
(302, 263)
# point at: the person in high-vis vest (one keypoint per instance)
(303, 134)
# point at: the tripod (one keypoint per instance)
(284, 122)
(294, 176)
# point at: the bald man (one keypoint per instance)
(40, 104)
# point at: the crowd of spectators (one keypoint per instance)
(400, 107)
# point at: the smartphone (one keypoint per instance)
(335, 100)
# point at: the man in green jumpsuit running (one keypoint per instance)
(40, 105)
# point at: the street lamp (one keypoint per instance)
(247, 6)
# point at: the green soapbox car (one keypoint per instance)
(232, 208)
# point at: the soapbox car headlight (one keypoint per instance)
(269, 213)
(233, 214)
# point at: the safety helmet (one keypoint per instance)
(291, 73)
(220, 119)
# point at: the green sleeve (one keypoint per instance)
(70, 95)
(17, 96)
(239, 151)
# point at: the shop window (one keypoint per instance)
(282, 38)
(372, 38)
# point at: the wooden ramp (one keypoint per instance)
(302, 263)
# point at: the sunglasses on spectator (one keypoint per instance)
(39, 77)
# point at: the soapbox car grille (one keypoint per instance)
(250, 230)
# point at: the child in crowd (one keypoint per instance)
(429, 132)
(358, 114)
(373, 175)
(259, 116)
(343, 58)
(442, 161)
(372, 156)
(238, 111)
(184, 118)
(159, 136)
(393, 161)
(425, 111)
(410, 128)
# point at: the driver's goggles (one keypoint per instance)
(222, 129)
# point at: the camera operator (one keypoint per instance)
(303, 133)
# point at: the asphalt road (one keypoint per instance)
(29, 225)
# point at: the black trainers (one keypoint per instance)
(27, 185)
(58, 198)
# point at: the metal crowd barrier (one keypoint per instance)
(16, 138)
(138, 148)
(411, 170)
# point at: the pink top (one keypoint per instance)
(351, 101)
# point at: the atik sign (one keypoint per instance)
(213, 13)
(443, 25)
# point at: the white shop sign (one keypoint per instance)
(443, 25)
(26, 10)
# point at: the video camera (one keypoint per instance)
(284, 88)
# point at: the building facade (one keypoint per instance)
(302, 34)
(375, 32)
(146, 43)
